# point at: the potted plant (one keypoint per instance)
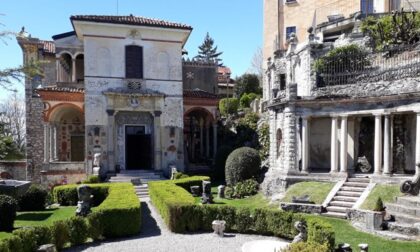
(375, 219)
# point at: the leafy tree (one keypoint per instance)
(12, 116)
(8, 149)
(247, 83)
(208, 52)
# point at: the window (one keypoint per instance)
(290, 30)
(279, 139)
(366, 6)
(133, 62)
(282, 81)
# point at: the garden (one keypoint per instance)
(26, 224)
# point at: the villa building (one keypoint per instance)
(116, 86)
(341, 121)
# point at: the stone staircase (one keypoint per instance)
(346, 197)
(139, 178)
(406, 211)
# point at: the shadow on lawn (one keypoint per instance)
(40, 216)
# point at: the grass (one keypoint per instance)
(386, 192)
(345, 233)
(43, 218)
(317, 191)
(252, 202)
(4, 235)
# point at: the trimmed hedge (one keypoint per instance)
(8, 208)
(66, 195)
(182, 214)
(34, 199)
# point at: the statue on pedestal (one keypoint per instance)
(84, 193)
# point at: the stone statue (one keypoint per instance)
(173, 171)
(84, 192)
(206, 197)
(195, 191)
(221, 191)
(96, 163)
(219, 227)
(412, 187)
(302, 236)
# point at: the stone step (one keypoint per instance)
(403, 209)
(341, 204)
(335, 215)
(404, 228)
(336, 209)
(410, 201)
(352, 189)
(404, 218)
(362, 180)
(348, 193)
(345, 198)
(356, 184)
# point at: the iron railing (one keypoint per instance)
(388, 65)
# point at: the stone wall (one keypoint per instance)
(15, 168)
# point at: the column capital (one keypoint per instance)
(344, 116)
(157, 113)
(376, 115)
(110, 112)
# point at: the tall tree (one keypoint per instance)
(247, 83)
(256, 66)
(208, 52)
(12, 117)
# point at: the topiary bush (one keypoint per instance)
(228, 106)
(34, 199)
(306, 247)
(180, 175)
(8, 208)
(92, 179)
(60, 234)
(243, 163)
(96, 228)
(246, 188)
(78, 230)
(321, 232)
(379, 205)
(220, 161)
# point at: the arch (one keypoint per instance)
(80, 67)
(76, 54)
(65, 67)
(56, 111)
(59, 54)
(200, 109)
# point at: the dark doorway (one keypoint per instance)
(366, 140)
(138, 148)
(77, 148)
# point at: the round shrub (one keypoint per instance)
(78, 230)
(245, 101)
(220, 161)
(307, 247)
(8, 207)
(246, 188)
(228, 106)
(242, 164)
(60, 233)
(34, 199)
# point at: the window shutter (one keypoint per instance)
(134, 62)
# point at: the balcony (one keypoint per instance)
(358, 67)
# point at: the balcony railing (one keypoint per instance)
(388, 65)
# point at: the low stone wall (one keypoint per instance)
(17, 169)
(62, 173)
(408, 85)
(301, 208)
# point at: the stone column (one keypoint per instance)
(334, 145)
(214, 140)
(57, 68)
(343, 145)
(51, 139)
(378, 145)
(46, 143)
(417, 142)
(55, 135)
(201, 137)
(111, 137)
(290, 136)
(158, 143)
(207, 141)
(387, 145)
(73, 70)
(305, 145)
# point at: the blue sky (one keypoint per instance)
(235, 25)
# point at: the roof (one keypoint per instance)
(48, 46)
(130, 20)
(224, 70)
(62, 89)
(64, 35)
(198, 93)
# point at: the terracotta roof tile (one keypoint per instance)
(130, 20)
(198, 93)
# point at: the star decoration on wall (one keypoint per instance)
(190, 75)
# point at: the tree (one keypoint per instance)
(257, 64)
(247, 83)
(12, 116)
(207, 52)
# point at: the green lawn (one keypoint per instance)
(386, 192)
(42, 218)
(317, 191)
(345, 233)
(4, 235)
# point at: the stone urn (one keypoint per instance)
(219, 227)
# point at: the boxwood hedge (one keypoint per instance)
(182, 214)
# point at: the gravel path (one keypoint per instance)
(155, 236)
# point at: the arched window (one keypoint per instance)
(134, 62)
(279, 139)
